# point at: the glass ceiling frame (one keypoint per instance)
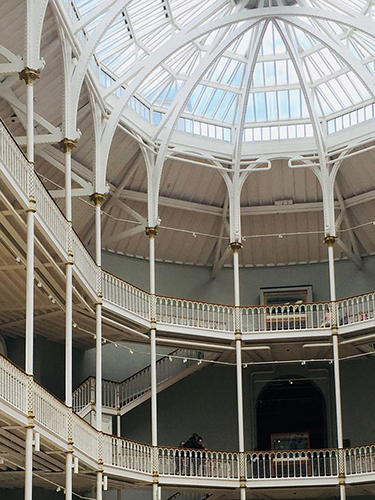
(217, 100)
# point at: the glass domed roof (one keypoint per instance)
(249, 70)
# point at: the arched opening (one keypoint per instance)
(293, 409)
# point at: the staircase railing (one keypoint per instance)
(117, 395)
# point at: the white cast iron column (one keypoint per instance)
(98, 199)
(152, 233)
(236, 247)
(29, 76)
(330, 240)
(67, 145)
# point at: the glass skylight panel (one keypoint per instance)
(275, 93)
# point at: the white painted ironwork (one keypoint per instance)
(125, 454)
(13, 385)
(50, 214)
(182, 312)
(124, 295)
(85, 437)
(286, 317)
(13, 158)
(292, 464)
(50, 412)
(185, 462)
(356, 309)
(359, 460)
(84, 394)
(84, 261)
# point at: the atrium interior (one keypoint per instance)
(187, 247)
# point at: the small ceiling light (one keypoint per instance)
(58, 489)
(131, 352)
(194, 235)
(170, 359)
(18, 260)
(303, 363)
(281, 236)
(199, 362)
(245, 366)
(291, 382)
(39, 284)
(74, 325)
(184, 360)
(116, 346)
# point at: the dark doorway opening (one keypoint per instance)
(291, 406)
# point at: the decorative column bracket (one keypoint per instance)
(29, 75)
(67, 145)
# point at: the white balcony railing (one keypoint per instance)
(286, 317)
(13, 159)
(125, 454)
(180, 312)
(292, 464)
(85, 437)
(50, 412)
(126, 296)
(198, 463)
(359, 460)
(13, 385)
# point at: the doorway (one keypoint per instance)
(291, 405)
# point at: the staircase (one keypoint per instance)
(120, 397)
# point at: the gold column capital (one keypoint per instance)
(330, 240)
(235, 246)
(29, 75)
(97, 198)
(67, 145)
(152, 232)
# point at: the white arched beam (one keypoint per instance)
(184, 95)
(35, 13)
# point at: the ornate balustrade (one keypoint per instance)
(125, 296)
(292, 464)
(13, 385)
(359, 460)
(286, 317)
(125, 454)
(202, 315)
(85, 437)
(50, 412)
(14, 160)
(184, 462)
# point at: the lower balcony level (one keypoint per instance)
(24, 402)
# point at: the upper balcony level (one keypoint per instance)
(178, 317)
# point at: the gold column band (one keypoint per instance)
(235, 246)
(97, 198)
(29, 75)
(67, 145)
(330, 240)
(152, 232)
